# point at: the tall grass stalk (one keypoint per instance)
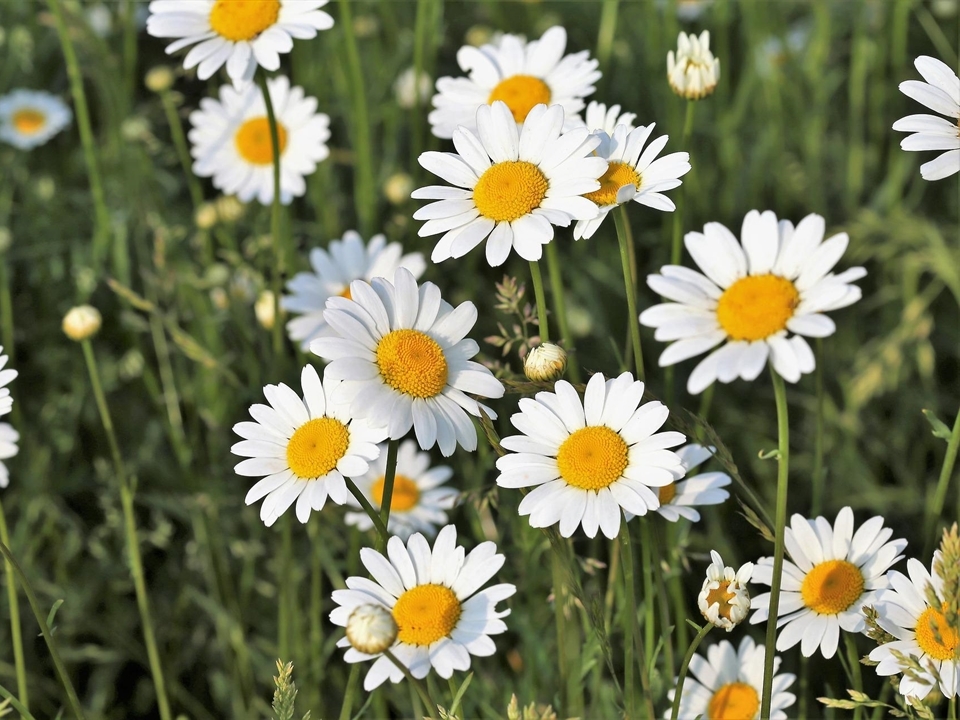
(560, 307)
(278, 245)
(180, 143)
(630, 283)
(855, 676)
(606, 33)
(676, 247)
(16, 632)
(678, 692)
(649, 622)
(818, 475)
(421, 35)
(417, 685)
(16, 704)
(935, 507)
(389, 476)
(542, 321)
(629, 618)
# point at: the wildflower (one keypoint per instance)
(397, 188)
(229, 209)
(6, 377)
(82, 322)
(159, 79)
(752, 294)
(265, 309)
(678, 499)
(599, 117)
(371, 629)
(940, 93)
(8, 449)
(433, 596)
(29, 118)
(545, 363)
(724, 600)
(206, 216)
(409, 91)
(694, 71)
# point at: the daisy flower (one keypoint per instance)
(921, 631)
(304, 447)
(231, 140)
(419, 501)
(6, 377)
(433, 596)
(589, 459)
(521, 74)
(633, 173)
(8, 449)
(334, 269)
(239, 33)
(510, 184)
(834, 572)
(599, 117)
(940, 93)
(729, 684)
(405, 356)
(29, 118)
(693, 72)
(724, 600)
(751, 295)
(677, 500)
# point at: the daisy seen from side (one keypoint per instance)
(589, 460)
(693, 72)
(833, 571)
(29, 118)
(9, 438)
(434, 595)
(752, 294)
(7, 375)
(679, 499)
(303, 447)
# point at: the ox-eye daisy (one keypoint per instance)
(405, 356)
(731, 683)
(241, 33)
(521, 74)
(751, 295)
(589, 458)
(6, 377)
(304, 447)
(511, 185)
(920, 630)
(599, 117)
(633, 173)
(677, 500)
(29, 118)
(334, 269)
(419, 501)
(8, 448)
(433, 596)
(941, 93)
(232, 143)
(834, 573)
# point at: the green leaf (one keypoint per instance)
(940, 428)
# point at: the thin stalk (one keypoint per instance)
(16, 632)
(369, 510)
(389, 476)
(559, 593)
(631, 632)
(678, 692)
(560, 307)
(649, 621)
(45, 631)
(352, 685)
(607, 32)
(16, 704)
(783, 469)
(543, 323)
(630, 283)
(943, 483)
(816, 501)
(129, 51)
(663, 602)
(856, 678)
(284, 587)
(274, 216)
(418, 686)
(6, 307)
(180, 143)
(676, 247)
(610, 594)
(420, 38)
(130, 529)
(953, 708)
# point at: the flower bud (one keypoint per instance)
(398, 187)
(265, 309)
(159, 79)
(229, 209)
(724, 600)
(82, 322)
(694, 71)
(545, 363)
(408, 90)
(371, 629)
(206, 216)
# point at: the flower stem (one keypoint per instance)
(542, 321)
(390, 474)
(943, 483)
(649, 622)
(678, 693)
(630, 283)
(676, 247)
(418, 686)
(783, 469)
(559, 600)
(16, 632)
(369, 510)
(421, 37)
(16, 704)
(607, 32)
(853, 660)
(629, 625)
(278, 248)
(180, 143)
(560, 307)
(816, 502)
(352, 682)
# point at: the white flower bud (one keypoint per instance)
(265, 309)
(694, 71)
(371, 629)
(545, 363)
(159, 79)
(82, 322)
(724, 600)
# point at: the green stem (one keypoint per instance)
(560, 307)
(630, 283)
(420, 38)
(369, 510)
(606, 32)
(418, 686)
(783, 469)
(856, 678)
(180, 143)
(943, 483)
(676, 247)
(559, 597)
(390, 475)
(16, 704)
(649, 622)
(45, 631)
(284, 586)
(816, 502)
(129, 19)
(629, 624)
(678, 693)
(663, 599)
(543, 323)
(16, 632)
(352, 686)
(274, 216)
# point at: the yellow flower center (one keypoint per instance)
(509, 190)
(734, 701)
(239, 20)
(425, 614)
(592, 458)
(316, 447)
(346, 293)
(521, 93)
(254, 143)
(934, 636)
(722, 596)
(29, 121)
(617, 175)
(757, 306)
(406, 494)
(832, 587)
(666, 493)
(412, 362)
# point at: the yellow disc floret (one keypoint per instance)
(28, 121)
(254, 143)
(832, 586)
(413, 363)
(509, 190)
(734, 701)
(722, 597)
(521, 93)
(757, 306)
(592, 458)
(934, 636)
(316, 447)
(406, 494)
(240, 20)
(618, 175)
(426, 614)
(666, 493)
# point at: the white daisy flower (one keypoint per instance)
(724, 600)
(599, 117)
(633, 173)
(921, 631)
(434, 599)
(29, 118)
(239, 33)
(419, 501)
(231, 140)
(778, 280)
(405, 356)
(8, 449)
(590, 458)
(693, 72)
(6, 377)
(834, 573)
(304, 447)
(521, 74)
(940, 93)
(677, 500)
(334, 269)
(511, 184)
(729, 684)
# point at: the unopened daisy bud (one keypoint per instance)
(545, 363)
(371, 629)
(724, 600)
(206, 216)
(265, 309)
(409, 91)
(694, 71)
(82, 322)
(159, 79)
(398, 187)
(229, 209)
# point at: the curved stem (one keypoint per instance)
(16, 632)
(418, 686)
(352, 681)
(278, 248)
(389, 476)
(560, 307)
(630, 283)
(369, 510)
(678, 693)
(943, 483)
(543, 323)
(16, 704)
